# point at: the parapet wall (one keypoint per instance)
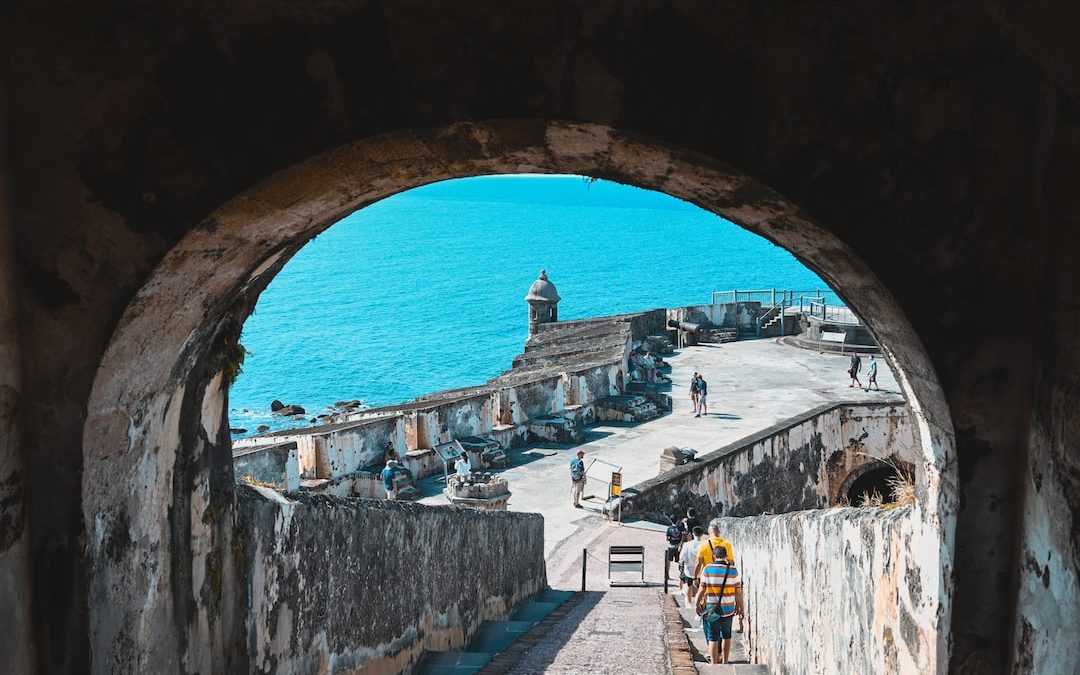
(345, 585)
(801, 463)
(837, 591)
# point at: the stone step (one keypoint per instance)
(454, 663)
(494, 637)
(739, 665)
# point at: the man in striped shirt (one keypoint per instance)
(719, 599)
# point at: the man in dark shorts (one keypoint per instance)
(719, 599)
(675, 538)
(853, 370)
(872, 374)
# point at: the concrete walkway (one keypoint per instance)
(615, 630)
(752, 385)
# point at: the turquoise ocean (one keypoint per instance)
(424, 290)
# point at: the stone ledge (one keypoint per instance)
(680, 658)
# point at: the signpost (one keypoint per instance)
(615, 490)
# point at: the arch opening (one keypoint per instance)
(161, 395)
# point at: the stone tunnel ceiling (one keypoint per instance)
(934, 144)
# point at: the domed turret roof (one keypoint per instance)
(542, 290)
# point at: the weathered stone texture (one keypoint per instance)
(851, 579)
(346, 585)
(166, 160)
(802, 463)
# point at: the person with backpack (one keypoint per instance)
(718, 600)
(577, 478)
(674, 536)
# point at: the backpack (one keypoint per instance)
(577, 469)
(674, 535)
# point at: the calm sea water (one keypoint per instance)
(424, 290)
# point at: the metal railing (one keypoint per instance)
(822, 304)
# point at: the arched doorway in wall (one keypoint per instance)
(156, 443)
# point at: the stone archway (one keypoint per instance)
(157, 476)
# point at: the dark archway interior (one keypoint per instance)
(876, 481)
(934, 146)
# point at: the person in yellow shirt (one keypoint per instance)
(705, 554)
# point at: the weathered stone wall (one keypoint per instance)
(801, 463)
(740, 316)
(338, 585)
(336, 450)
(837, 591)
(276, 465)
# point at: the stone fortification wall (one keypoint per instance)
(740, 316)
(801, 463)
(356, 585)
(277, 465)
(837, 591)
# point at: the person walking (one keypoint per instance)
(705, 552)
(688, 562)
(577, 478)
(703, 397)
(871, 374)
(719, 599)
(853, 370)
(691, 520)
(674, 535)
(387, 476)
(694, 392)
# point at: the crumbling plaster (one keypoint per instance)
(802, 463)
(351, 585)
(872, 605)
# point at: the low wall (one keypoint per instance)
(276, 465)
(837, 591)
(800, 463)
(360, 585)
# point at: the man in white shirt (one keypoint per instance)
(688, 558)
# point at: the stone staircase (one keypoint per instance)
(627, 408)
(498, 645)
(699, 649)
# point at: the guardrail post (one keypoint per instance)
(584, 564)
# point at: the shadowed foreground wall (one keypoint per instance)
(336, 585)
(922, 157)
(835, 591)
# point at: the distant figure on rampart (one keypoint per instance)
(853, 370)
(702, 397)
(694, 391)
(388, 476)
(577, 478)
(462, 465)
(871, 374)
